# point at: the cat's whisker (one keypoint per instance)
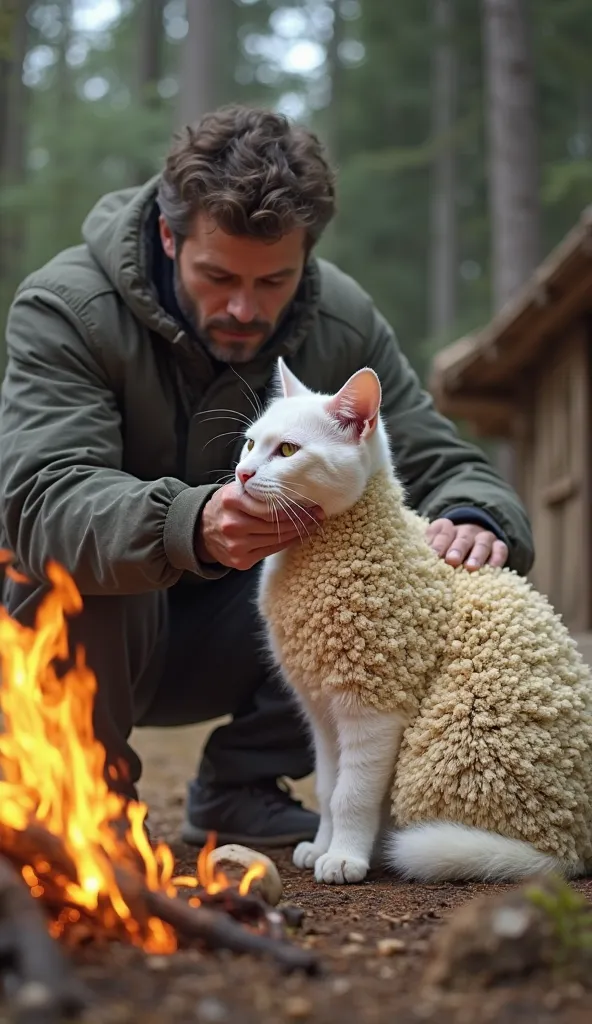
(296, 504)
(256, 405)
(293, 490)
(269, 503)
(232, 414)
(222, 469)
(292, 516)
(293, 506)
(269, 499)
(228, 478)
(227, 433)
(243, 426)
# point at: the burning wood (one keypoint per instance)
(36, 974)
(57, 815)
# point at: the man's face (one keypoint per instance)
(233, 289)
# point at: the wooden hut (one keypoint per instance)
(526, 379)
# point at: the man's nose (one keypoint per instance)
(244, 475)
(243, 307)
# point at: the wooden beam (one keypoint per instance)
(560, 288)
(491, 417)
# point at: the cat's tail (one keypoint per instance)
(445, 852)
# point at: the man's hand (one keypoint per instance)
(238, 531)
(466, 544)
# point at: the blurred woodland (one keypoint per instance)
(462, 130)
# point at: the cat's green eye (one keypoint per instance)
(250, 444)
(287, 448)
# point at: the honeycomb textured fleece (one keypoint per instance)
(498, 697)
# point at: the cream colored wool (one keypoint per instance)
(498, 698)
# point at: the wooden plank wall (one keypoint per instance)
(553, 475)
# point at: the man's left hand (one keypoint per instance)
(466, 544)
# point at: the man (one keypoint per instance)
(134, 362)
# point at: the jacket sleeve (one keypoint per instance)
(440, 471)
(63, 493)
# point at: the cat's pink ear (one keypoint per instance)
(358, 402)
(291, 386)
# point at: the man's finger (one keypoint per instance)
(499, 554)
(262, 531)
(287, 533)
(261, 528)
(237, 500)
(460, 546)
(272, 549)
(440, 535)
(479, 554)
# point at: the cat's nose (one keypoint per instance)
(244, 475)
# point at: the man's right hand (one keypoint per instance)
(238, 531)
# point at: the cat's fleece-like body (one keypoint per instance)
(493, 696)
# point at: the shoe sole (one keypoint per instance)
(194, 836)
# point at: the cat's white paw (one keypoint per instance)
(337, 870)
(306, 855)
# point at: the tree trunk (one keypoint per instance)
(150, 50)
(443, 222)
(198, 93)
(333, 116)
(150, 33)
(513, 150)
(61, 143)
(13, 142)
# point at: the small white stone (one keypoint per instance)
(352, 949)
(157, 963)
(211, 1010)
(390, 947)
(33, 995)
(510, 922)
(298, 1007)
(232, 857)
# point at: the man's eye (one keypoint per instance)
(287, 448)
(250, 444)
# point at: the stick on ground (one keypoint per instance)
(37, 977)
(216, 930)
(219, 931)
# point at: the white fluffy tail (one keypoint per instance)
(444, 852)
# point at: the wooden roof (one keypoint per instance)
(477, 377)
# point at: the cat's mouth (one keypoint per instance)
(279, 496)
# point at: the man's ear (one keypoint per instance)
(167, 239)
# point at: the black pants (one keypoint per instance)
(181, 656)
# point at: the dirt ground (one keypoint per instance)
(358, 984)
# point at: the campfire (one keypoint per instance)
(75, 859)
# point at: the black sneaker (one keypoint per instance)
(263, 814)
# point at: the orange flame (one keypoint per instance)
(52, 774)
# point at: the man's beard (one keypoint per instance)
(230, 351)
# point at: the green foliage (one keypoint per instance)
(89, 130)
(7, 18)
(382, 234)
(570, 916)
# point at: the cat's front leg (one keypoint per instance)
(326, 763)
(369, 744)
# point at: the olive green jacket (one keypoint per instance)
(110, 413)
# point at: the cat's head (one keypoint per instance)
(313, 449)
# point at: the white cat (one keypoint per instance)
(372, 715)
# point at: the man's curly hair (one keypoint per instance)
(251, 170)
